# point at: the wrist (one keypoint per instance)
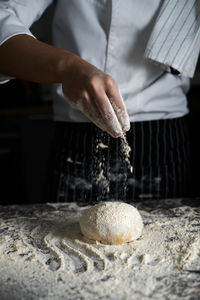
(64, 64)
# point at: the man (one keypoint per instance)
(105, 49)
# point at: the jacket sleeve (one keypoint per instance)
(16, 17)
(174, 43)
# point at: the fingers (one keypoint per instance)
(105, 106)
(110, 104)
(96, 94)
(109, 116)
(117, 102)
(90, 108)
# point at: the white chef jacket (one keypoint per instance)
(122, 38)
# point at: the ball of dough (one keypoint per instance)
(111, 223)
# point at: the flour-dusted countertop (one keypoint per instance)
(44, 256)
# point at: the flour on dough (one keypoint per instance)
(111, 223)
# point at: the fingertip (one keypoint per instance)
(127, 128)
(117, 134)
(126, 125)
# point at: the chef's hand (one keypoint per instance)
(96, 95)
(89, 89)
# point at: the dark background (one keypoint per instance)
(26, 130)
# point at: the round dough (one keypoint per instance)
(111, 223)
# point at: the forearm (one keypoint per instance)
(26, 58)
(86, 87)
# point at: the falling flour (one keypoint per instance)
(125, 152)
(43, 255)
(101, 175)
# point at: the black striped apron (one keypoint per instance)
(160, 158)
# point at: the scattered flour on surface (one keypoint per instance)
(43, 255)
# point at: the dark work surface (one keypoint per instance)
(147, 205)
